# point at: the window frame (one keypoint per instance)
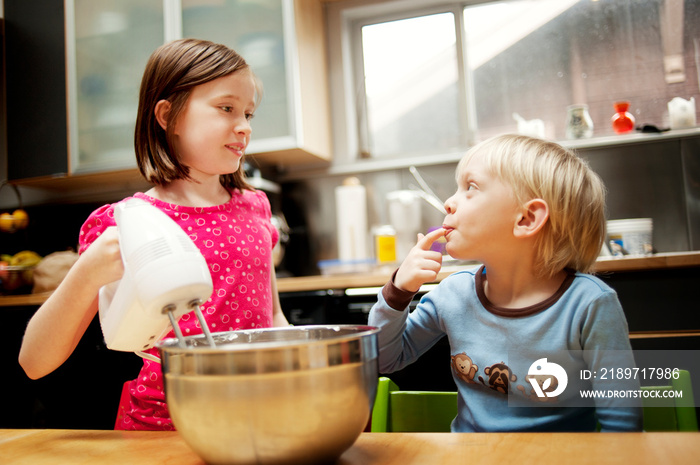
(346, 19)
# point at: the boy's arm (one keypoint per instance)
(605, 340)
(397, 347)
(57, 326)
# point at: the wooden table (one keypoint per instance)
(42, 447)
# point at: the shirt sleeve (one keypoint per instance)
(95, 225)
(605, 340)
(267, 215)
(405, 335)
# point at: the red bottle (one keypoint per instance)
(622, 121)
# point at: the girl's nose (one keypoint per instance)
(242, 126)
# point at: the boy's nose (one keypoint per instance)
(448, 205)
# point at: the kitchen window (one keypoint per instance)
(427, 78)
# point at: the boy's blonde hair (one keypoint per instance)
(575, 231)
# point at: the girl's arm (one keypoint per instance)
(57, 326)
(278, 318)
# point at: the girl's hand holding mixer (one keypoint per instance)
(104, 259)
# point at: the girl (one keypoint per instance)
(193, 125)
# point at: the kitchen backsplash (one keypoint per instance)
(656, 178)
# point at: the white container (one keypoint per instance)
(351, 220)
(405, 216)
(630, 236)
(682, 113)
(531, 127)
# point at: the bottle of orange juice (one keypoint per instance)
(385, 244)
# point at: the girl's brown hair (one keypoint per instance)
(172, 71)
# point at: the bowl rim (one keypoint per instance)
(171, 344)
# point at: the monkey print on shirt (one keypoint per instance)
(498, 377)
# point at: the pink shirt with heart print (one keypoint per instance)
(236, 239)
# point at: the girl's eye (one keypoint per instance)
(249, 116)
(227, 109)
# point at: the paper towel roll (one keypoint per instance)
(351, 220)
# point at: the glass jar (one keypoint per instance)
(385, 244)
(579, 124)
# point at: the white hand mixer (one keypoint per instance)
(165, 276)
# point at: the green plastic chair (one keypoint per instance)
(431, 411)
(668, 413)
(411, 411)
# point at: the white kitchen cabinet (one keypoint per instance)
(284, 43)
(107, 44)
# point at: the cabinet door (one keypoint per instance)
(109, 42)
(36, 89)
(257, 31)
(284, 43)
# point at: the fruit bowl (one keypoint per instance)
(17, 272)
(16, 279)
(12, 221)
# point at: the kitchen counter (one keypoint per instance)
(604, 265)
(29, 299)
(46, 447)
(377, 279)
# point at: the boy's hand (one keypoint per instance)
(421, 265)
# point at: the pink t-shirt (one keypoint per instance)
(236, 239)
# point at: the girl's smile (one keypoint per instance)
(238, 149)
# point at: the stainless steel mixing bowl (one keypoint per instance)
(299, 394)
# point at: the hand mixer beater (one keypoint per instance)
(165, 276)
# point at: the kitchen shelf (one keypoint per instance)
(74, 183)
(390, 164)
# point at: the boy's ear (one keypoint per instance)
(162, 111)
(532, 218)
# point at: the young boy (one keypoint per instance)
(532, 213)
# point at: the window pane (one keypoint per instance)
(536, 57)
(411, 85)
